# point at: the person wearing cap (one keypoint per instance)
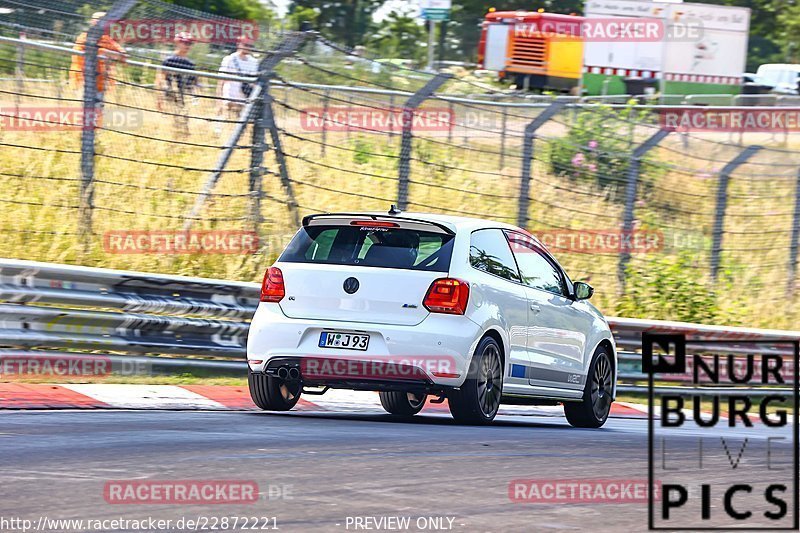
(108, 50)
(240, 63)
(176, 87)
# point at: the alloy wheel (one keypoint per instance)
(601, 387)
(490, 381)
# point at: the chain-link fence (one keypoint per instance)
(110, 159)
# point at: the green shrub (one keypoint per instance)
(673, 287)
(597, 148)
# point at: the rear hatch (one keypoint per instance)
(392, 262)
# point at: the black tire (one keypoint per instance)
(272, 393)
(478, 399)
(592, 411)
(402, 403)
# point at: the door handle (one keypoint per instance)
(535, 308)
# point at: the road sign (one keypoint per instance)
(436, 14)
(435, 9)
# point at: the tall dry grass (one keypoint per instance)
(144, 180)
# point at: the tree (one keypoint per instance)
(789, 31)
(342, 21)
(299, 15)
(235, 9)
(398, 36)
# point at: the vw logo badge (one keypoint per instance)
(350, 285)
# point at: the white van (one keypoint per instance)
(784, 78)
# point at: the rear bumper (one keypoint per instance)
(435, 352)
(360, 376)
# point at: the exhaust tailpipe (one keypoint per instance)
(283, 372)
(294, 373)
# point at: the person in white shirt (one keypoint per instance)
(239, 63)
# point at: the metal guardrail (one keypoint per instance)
(52, 310)
(121, 313)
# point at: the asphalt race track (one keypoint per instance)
(322, 468)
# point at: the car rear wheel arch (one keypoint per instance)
(495, 334)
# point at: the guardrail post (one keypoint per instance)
(631, 191)
(795, 242)
(722, 206)
(527, 159)
(414, 101)
(259, 105)
(91, 105)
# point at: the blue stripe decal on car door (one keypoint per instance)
(517, 371)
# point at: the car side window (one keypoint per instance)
(489, 251)
(536, 270)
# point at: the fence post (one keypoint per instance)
(277, 146)
(451, 111)
(503, 138)
(90, 105)
(259, 113)
(257, 100)
(326, 95)
(349, 113)
(413, 102)
(527, 159)
(225, 155)
(793, 244)
(20, 73)
(631, 191)
(722, 205)
(391, 116)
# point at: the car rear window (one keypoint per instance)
(382, 247)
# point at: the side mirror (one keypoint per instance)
(583, 291)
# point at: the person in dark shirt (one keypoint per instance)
(176, 87)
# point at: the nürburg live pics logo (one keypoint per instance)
(723, 446)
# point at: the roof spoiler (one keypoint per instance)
(308, 218)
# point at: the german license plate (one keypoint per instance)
(346, 341)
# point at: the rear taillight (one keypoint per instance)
(447, 295)
(272, 289)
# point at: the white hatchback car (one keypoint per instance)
(414, 305)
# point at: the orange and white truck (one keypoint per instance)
(535, 50)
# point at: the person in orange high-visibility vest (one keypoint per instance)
(108, 49)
